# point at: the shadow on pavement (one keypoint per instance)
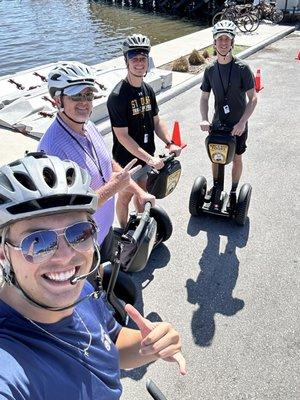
(219, 270)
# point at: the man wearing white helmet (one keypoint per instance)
(134, 118)
(73, 136)
(58, 339)
(232, 84)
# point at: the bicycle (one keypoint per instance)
(268, 11)
(242, 15)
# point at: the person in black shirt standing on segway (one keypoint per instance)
(134, 118)
(231, 81)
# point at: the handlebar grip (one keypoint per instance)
(154, 391)
(143, 221)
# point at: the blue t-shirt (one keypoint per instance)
(36, 366)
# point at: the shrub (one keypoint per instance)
(196, 58)
(180, 65)
(205, 53)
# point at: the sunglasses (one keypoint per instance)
(40, 246)
(82, 97)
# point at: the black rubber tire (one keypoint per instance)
(124, 288)
(242, 206)
(164, 224)
(197, 196)
(276, 16)
(217, 17)
(256, 22)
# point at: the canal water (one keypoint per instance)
(37, 32)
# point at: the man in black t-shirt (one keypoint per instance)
(134, 118)
(231, 81)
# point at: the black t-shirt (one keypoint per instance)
(232, 93)
(134, 108)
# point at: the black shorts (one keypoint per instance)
(241, 143)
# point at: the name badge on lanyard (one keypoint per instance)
(226, 109)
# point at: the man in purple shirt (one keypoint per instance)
(73, 136)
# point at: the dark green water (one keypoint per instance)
(37, 32)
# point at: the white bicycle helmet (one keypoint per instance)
(39, 185)
(69, 75)
(224, 27)
(136, 42)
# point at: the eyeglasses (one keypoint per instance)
(82, 97)
(40, 246)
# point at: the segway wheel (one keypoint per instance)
(164, 224)
(242, 205)
(124, 288)
(197, 196)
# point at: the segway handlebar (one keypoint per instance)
(167, 157)
(144, 219)
(154, 390)
(220, 128)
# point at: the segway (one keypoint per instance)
(162, 182)
(220, 146)
(143, 232)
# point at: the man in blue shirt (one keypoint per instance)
(58, 339)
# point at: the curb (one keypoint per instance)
(163, 97)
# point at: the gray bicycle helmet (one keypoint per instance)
(38, 185)
(224, 27)
(136, 42)
(67, 75)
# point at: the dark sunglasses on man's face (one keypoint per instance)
(83, 97)
(40, 246)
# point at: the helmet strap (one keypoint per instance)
(73, 120)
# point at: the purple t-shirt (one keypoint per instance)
(91, 154)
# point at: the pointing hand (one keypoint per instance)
(159, 339)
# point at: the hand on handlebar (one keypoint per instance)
(205, 126)
(173, 148)
(159, 339)
(144, 197)
(238, 129)
(156, 162)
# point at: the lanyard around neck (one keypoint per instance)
(94, 160)
(225, 92)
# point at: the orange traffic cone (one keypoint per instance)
(298, 56)
(176, 139)
(258, 81)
